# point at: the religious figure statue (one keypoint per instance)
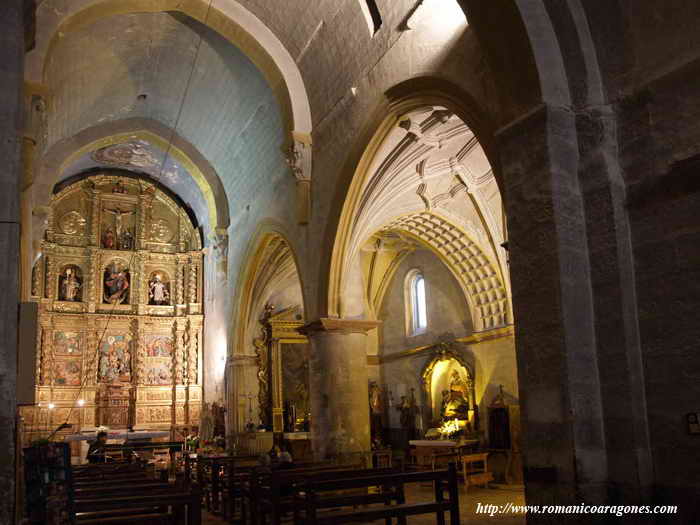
(408, 409)
(119, 216)
(108, 239)
(116, 284)
(158, 291)
(126, 241)
(375, 398)
(455, 401)
(70, 286)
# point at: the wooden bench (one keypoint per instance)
(111, 495)
(172, 507)
(271, 492)
(312, 497)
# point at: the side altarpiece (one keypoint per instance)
(119, 287)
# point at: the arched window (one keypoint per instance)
(372, 15)
(416, 308)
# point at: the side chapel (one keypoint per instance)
(119, 287)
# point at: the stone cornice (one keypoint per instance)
(339, 326)
(473, 339)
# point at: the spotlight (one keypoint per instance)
(81, 402)
(51, 406)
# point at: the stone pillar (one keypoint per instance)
(11, 81)
(339, 396)
(565, 457)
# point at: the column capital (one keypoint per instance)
(338, 326)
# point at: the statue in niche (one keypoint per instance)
(70, 286)
(108, 239)
(126, 241)
(119, 217)
(158, 292)
(455, 401)
(116, 285)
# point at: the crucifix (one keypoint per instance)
(118, 216)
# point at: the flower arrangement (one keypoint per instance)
(449, 428)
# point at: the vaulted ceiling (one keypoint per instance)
(167, 72)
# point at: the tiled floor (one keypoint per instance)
(467, 504)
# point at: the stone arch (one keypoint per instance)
(228, 18)
(400, 100)
(269, 260)
(270, 240)
(61, 154)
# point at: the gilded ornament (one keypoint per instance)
(161, 231)
(72, 223)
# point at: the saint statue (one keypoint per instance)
(108, 239)
(70, 286)
(126, 241)
(158, 291)
(455, 401)
(116, 284)
(119, 216)
(375, 398)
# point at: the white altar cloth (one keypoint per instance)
(119, 434)
(432, 443)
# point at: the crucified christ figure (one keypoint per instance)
(118, 216)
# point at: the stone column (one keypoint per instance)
(11, 80)
(564, 452)
(340, 426)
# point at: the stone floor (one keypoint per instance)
(467, 503)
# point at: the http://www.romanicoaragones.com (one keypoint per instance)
(617, 510)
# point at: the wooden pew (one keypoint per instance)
(112, 495)
(272, 492)
(311, 499)
(171, 507)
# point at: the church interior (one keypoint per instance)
(349, 261)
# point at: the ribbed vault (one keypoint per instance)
(429, 180)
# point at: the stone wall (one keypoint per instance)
(448, 313)
(11, 72)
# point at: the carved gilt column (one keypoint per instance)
(94, 215)
(50, 281)
(144, 218)
(91, 280)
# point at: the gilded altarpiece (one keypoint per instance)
(119, 284)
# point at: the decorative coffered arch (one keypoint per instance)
(476, 273)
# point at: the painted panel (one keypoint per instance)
(115, 359)
(67, 372)
(67, 343)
